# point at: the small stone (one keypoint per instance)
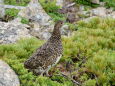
(46, 35)
(102, 4)
(113, 14)
(81, 8)
(100, 11)
(95, 1)
(60, 3)
(65, 30)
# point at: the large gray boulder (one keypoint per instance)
(2, 9)
(12, 31)
(40, 20)
(7, 76)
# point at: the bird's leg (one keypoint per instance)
(42, 74)
(47, 72)
(38, 71)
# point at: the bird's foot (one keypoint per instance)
(47, 74)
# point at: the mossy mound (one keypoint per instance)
(92, 50)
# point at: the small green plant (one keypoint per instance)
(72, 27)
(92, 49)
(52, 9)
(86, 2)
(11, 14)
(109, 3)
(89, 83)
(17, 2)
(24, 21)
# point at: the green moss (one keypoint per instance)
(24, 21)
(52, 9)
(11, 14)
(86, 2)
(93, 43)
(90, 83)
(73, 27)
(17, 2)
(109, 3)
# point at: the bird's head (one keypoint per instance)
(56, 32)
(59, 24)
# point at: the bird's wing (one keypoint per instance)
(41, 56)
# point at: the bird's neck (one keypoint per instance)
(56, 35)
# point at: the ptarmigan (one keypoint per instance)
(48, 54)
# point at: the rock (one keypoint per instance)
(65, 30)
(7, 76)
(100, 11)
(13, 7)
(84, 14)
(109, 11)
(95, 1)
(1, 1)
(102, 4)
(12, 31)
(41, 22)
(60, 3)
(113, 14)
(2, 9)
(103, 12)
(18, 20)
(70, 11)
(71, 17)
(81, 8)
(45, 35)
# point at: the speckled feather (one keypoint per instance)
(47, 55)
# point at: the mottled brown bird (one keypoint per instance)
(48, 54)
